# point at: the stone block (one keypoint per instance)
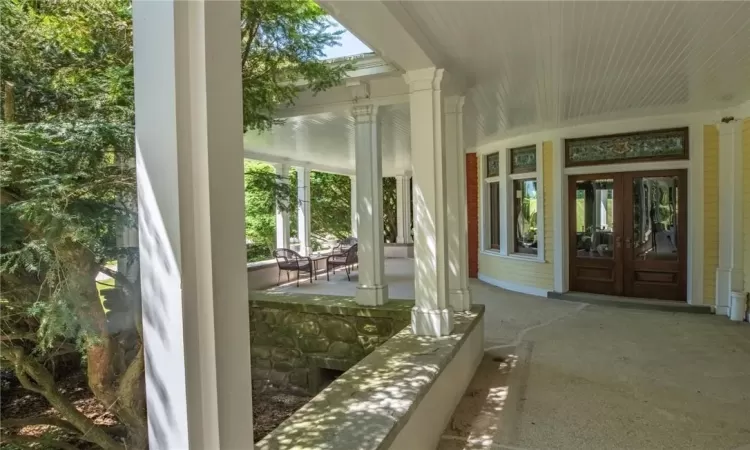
(313, 344)
(338, 329)
(278, 378)
(299, 377)
(261, 363)
(348, 350)
(283, 366)
(308, 328)
(285, 341)
(258, 351)
(374, 327)
(284, 354)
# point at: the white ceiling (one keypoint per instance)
(324, 141)
(535, 65)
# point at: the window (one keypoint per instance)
(513, 205)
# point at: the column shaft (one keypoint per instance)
(729, 274)
(458, 253)
(188, 110)
(431, 314)
(372, 289)
(282, 210)
(303, 209)
(403, 209)
(353, 205)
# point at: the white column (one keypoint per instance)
(303, 209)
(600, 207)
(431, 316)
(372, 289)
(403, 209)
(455, 172)
(353, 204)
(282, 211)
(729, 274)
(188, 115)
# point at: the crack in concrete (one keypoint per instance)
(522, 333)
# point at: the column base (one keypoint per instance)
(432, 322)
(727, 280)
(459, 299)
(371, 295)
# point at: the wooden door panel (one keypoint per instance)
(655, 234)
(595, 263)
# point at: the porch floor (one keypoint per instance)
(567, 375)
(399, 275)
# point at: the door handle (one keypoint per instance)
(627, 243)
(618, 242)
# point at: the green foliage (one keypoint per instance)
(330, 195)
(283, 43)
(390, 205)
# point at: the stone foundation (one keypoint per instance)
(293, 337)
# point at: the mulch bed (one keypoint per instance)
(270, 407)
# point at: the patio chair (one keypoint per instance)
(347, 259)
(292, 261)
(344, 245)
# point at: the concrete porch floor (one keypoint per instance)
(566, 375)
(399, 275)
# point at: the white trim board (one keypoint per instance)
(515, 287)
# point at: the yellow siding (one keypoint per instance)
(527, 273)
(710, 211)
(746, 197)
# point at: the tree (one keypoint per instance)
(68, 188)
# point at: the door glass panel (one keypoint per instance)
(594, 218)
(655, 213)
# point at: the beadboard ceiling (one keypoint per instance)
(534, 65)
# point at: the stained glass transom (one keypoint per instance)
(523, 159)
(493, 165)
(666, 144)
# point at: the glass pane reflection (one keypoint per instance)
(594, 218)
(655, 201)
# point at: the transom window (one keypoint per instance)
(513, 202)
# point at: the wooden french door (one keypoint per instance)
(628, 234)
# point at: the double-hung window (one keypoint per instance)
(513, 203)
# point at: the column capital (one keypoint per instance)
(365, 113)
(732, 127)
(453, 104)
(428, 79)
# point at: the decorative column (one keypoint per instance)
(455, 174)
(372, 289)
(353, 204)
(729, 274)
(189, 163)
(431, 316)
(282, 211)
(403, 209)
(303, 209)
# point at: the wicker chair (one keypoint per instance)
(347, 259)
(292, 261)
(344, 245)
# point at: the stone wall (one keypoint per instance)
(293, 337)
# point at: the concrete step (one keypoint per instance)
(634, 303)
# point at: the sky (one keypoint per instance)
(350, 45)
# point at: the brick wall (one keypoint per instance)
(472, 202)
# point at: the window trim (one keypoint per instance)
(507, 231)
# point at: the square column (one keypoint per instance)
(372, 289)
(403, 209)
(729, 274)
(189, 163)
(432, 315)
(282, 211)
(303, 209)
(353, 204)
(455, 173)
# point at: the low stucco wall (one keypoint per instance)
(294, 336)
(400, 396)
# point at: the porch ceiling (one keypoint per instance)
(324, 141)
(547, 64)
(529, 66)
